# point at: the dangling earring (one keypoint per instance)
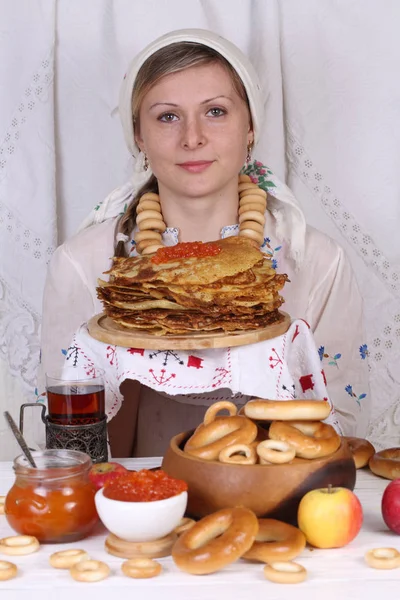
(249, 148)
(145, 163)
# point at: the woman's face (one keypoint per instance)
(195, 129)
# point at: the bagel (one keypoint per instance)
(147, 234)
(208, 440)
(252, 215)
(151, 249)
(362, 450)
(254, 191)
(275, 452)
(252, 235)
(148, 205)
(156, 224)
(215, 408)
(276, 541)
(259, 206)
(238, 454)
(386, 463)
(287, 410)
(247, 185)
(215, 541)
(310, 439)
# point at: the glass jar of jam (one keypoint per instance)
(55, 501)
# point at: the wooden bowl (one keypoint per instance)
(269, 490)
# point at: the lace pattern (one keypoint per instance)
(19, 319)
(383, 326)
(360, 240)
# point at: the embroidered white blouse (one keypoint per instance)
(323, 291)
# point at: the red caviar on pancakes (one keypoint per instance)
(185, 250)
(143, 486)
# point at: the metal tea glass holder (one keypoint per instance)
(90, 438)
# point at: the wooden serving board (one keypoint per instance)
(156, 549)
(104, 329)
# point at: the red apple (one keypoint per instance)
(391, 506)
(103, 472)
(330, 517)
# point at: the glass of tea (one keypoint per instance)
(75, 399)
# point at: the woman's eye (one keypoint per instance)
(167, 117)
(216, 112)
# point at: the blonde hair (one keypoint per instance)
(170, 59)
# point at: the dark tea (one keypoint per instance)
(76, 404)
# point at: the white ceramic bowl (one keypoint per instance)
(141, 521)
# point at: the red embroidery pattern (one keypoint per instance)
(110, 353)
(296, 333)
(220, 375)
(304, 321)
(136, 351)
(162, 377)
(195, 361)
(278, 381)
(275, 361)
(306, 382)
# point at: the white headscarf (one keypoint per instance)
(282, 204)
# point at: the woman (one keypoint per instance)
(191, 107)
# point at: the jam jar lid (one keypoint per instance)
(53, 464)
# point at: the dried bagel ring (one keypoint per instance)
(251, 197)
(288, 410)
(143, 244)
(252, 215)
(383, 558)
(253, 225)
(148, 205)
(157, 224)
(254, 192)
(244, 178)
(386, 463)
(215, 408)
(2, 503)
(141, 568)
(247, 185)
(147, 234)
(19, 545)
(260, 207)
(89, 571)
(238, 454)
(362, 450)
(252, 235)
(208, 440)
(8, 570)
(276, 541)
(150, 196)
(215, 541)
(148, 214)
(184, 525)
(275, 452)
(151, 249)
(65, 559)
(310, 439)
(285, 572)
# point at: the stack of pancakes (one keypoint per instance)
(236, 289)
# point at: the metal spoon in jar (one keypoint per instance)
(20, 438)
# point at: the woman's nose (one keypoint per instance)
(193, 134)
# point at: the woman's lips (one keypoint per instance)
(196, 166)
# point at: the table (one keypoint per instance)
(332, 574)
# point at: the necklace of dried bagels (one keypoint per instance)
(252, 206)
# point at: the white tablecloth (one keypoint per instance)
(332, 574)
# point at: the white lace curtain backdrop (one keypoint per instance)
(332, 125)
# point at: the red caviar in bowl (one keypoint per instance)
(185, 250)
(143, 486)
